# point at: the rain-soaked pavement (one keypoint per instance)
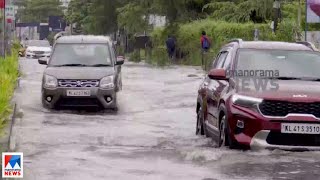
(151, 137)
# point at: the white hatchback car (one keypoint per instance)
(38, 49)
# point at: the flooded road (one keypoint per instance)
(151, 137)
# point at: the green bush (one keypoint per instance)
(16, 45)
(135, 56)
(50, 37)
(220, 32)
(160, 56)
(8, 77)
(120, 50)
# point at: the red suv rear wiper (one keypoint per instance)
(69, 65)
(100, 65)
(311, 79)
(296, 78)
(285, 78)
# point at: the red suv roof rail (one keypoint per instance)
(239, 41)
(308, 44)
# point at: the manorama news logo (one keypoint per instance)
(12, 165)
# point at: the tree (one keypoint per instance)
(93, 16)
(78, 12)
(39, 10)
(241, 10)
(133, 17)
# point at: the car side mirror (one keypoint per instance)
(120, 60)
(218, 74)
(43, 61)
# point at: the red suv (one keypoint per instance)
(262, 95)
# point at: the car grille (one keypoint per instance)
(78, 83)
(278, 138)
(78, 102)
(281, 108)
(38, 52)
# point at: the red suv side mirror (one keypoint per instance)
(218, 74)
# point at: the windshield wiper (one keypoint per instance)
(100, 65)
(295, 78)
(62, 65)
(311, 79)
(285, 78)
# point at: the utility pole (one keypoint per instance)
(3, 39)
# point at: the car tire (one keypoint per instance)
(224, 134)
(115, 108)
(120, 85)
(200, 126)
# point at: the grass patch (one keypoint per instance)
(8, 77)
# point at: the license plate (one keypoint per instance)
(291, 128)
(78, 93)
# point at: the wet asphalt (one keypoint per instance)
(151, 137)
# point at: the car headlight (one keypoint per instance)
(246, 101)
(107, 82)
(50, 81)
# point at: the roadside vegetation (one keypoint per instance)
(38, 10)
(8, 77)
(185, 19)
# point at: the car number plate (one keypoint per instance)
(78, 93)
(291, 128)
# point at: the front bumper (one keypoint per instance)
(36, 56)
(262, 132)
(259, 141)
(98, 98)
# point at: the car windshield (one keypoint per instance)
(38, 43)
(81, 54)
(282, 63)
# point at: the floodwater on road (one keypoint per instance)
(151, 137)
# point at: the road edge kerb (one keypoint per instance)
(6, 136)
(13, 120)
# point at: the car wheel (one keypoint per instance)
(115, 108)
(120, 85)
(224, 134)
(200, 127)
